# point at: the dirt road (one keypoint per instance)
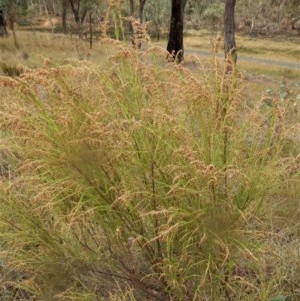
(290, 65)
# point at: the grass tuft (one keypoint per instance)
(145, 180)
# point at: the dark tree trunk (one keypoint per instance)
(91, 31)
(75, 10)
(79, 19)
(229, 31)
(83, 15)
(3, 30)
(131, 14)
(141, 10)
(64, 15)
(175, 42)
(131, 8)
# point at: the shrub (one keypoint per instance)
(139, 180)
(11, 70)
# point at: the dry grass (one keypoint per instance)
(135, 179)
(280, 48)
(40, 48)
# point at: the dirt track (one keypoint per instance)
(290, 65)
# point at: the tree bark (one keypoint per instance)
(175, 42)
(3, 30)
(75, 10)
(79, 19)
(64, 15)
(11, 20)
(229, 31)
(83, 15)
(131, 8)
(91, 31)
(141, 10)
(131, 14)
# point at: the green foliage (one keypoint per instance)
(19, 5)
(139, 180)
(278, 298)
(158, 14)
(214, 11)
(213, 15)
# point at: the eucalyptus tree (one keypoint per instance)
(64, 7)
(3, 30)
(229, 30)
(11, 9)
(157, 12)
(141, 10)
(131, 8)
(175, 41)
(79, 10)
(131, 15)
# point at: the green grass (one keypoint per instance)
(136, 178)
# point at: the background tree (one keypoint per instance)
(80, 9)
(157, 13)
(78, 12)
(229, 30)
(175, 42)
(3, 30)
(12, 9)
(141, 10)
(131, 14)
(213, 16)
(64, 6)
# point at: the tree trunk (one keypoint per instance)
(141, 10)
(131, 8)
(3, 30)
(175, 42)
(131, 14)
(12, 28)
(40, 7)
(229, 31)
(64, 15)
(49, 5)
(79, 19)
(91, 31)
(75, 10)
(83, 15)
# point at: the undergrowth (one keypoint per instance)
(145, 180)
